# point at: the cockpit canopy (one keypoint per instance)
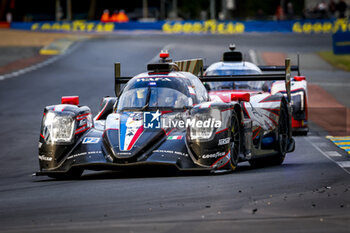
(234, 68)
(161, 92)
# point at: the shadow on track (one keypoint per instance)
(166, 173)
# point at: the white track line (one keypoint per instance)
(333, 154)
(37, 66)
(344, 164)
(321, 144)
(313, 138)
(340, 164)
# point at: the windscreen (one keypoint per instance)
(144, 93)
(237, 85)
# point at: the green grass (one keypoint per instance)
(339, 61)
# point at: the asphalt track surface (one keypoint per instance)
(308, 193)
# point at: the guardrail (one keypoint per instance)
(194, 27)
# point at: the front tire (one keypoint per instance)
(235, 142)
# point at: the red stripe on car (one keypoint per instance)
(136, 136)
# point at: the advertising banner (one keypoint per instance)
(194, 27)
(341, 43)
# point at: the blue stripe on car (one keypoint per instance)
(123, 119)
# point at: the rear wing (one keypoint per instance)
(194, 66)
(279, 68)
(282, 68)
(285, 76)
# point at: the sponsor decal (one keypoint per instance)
(215, 155)
(171, 152)
(208, 26)
(209, 123)
(224, 141)
(123, 153)
(180, 153)
(45, 158)
(85, 153)
(321, 26)
(174, 137)
(94, 152)
(77, 155)
(153, 79)
(91, 140)
(152, 120)
(164, 151)
(75, 26)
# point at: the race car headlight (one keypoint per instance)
(60, 127)
(203, 125)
